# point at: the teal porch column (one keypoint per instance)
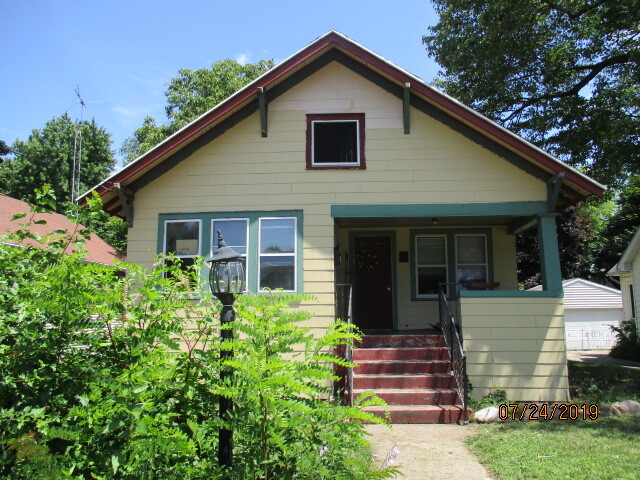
(549, 253)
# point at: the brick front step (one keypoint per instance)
(374, 382)
(416, 396)
(402, 366)
(421, 413)
(382, 341)
(401, 353)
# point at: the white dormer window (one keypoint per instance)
(335, 141)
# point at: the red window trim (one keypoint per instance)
(311, 117)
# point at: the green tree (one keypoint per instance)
(190, 94)
(620, 229)
(47, 157)
(562, 73)
(4, 150)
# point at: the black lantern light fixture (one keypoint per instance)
(226, 279)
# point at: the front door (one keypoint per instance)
(373, 295)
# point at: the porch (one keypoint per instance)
(511, 339)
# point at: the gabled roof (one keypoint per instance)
(580, 293)
(98, 250)
(331, 46)
(624, 264)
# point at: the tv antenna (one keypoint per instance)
(77, 151)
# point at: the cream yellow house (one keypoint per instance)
(338, 167)
(628, 269)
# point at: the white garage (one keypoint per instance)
(590, 310)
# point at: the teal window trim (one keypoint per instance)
(510, 294)
(450, 234)
(253, 218)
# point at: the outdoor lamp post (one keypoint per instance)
(226, 279)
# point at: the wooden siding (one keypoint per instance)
(517, 344)
(583, 294)
(243, 171)
(587, 295)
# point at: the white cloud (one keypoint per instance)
(243, 58)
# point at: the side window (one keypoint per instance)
(471, 260)
(182, 239)
(277, 253)
(335, 141)
(431, 264)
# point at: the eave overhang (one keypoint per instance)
(576, 186)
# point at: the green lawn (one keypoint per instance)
(607, 448)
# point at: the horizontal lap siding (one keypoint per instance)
(243, 171)
(516, 344)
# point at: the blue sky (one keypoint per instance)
(121, 54)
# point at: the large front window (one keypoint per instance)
(269, 242)
(449, 256)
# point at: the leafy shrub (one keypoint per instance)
(627, 345)
(491, 399)
(111, 377)
(595, 383)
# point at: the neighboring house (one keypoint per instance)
(98, 250)
(336, 166)
(590, 310)
(628, 269)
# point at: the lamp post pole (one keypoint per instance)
(226, 279)
(227, 316)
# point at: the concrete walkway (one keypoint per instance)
(600, 356)
(428, 452)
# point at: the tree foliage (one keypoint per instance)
(620, 228)
(47, 156)
(105, 376)
(189, 95)
(562, 73)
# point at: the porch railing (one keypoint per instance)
(452, 339)
(344, 309)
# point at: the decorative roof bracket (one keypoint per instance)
(405, 108)
(553, 190)
(262, 104)
(127, 203)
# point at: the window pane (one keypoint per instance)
(335, 142)
(471, 249)
(182, 238)
(429, 278)
(466, 276)
(277, 272)
(185, 264)
(234, 233)
(277, 235)
(431, 251)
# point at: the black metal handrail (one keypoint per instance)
(344, 309)
(447, 291)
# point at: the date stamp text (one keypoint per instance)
(557, 411)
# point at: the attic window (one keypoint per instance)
(335, 141)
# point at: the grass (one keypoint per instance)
(594, 383)
(607, 448)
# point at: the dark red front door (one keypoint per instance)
(373, 295)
